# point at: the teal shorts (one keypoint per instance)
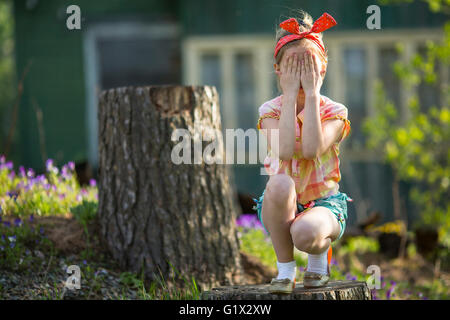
(337, 203)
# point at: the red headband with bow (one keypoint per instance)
(323, 23)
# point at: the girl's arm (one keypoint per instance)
(290, 84)
(316, 138)
(287, 127)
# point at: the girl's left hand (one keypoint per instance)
(310, 75)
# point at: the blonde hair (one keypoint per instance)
(305, 22)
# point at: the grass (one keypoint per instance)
(26, 251)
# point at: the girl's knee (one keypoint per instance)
(280, 189)
(306, 238)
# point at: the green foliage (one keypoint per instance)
(85, 212)
(18, 241)
(253, 241)
(160, 289)
(56, 192)
(418, 149)
(359, 245)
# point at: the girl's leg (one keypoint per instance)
(278, 210)
(314, 231)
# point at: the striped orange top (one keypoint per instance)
(315, 178)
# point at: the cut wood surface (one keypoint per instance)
(335, 290)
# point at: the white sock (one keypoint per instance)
(287, 270)
(318, 263)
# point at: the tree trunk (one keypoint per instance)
(335, 290)
(154, 213)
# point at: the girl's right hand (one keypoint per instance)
(290, 75)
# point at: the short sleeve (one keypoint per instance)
(269, 109)
(338, 111)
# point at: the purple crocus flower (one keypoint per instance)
(92, 182)
(49, 164)
(65, 172)
(30, 173)
(17, 222)
(31, 218)
(71, 165)
(388, 294)
(11, 175)
(8, 165)
(2, 248)
(40, 178)
(12, 245)
(22, 172)
(248, 221)
(2, 159)
(333, 262)
(41, 230)
(7, 224)
(374, 294)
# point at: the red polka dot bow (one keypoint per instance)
(291, 25)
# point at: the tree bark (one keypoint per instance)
(335, 290)
(154, 213)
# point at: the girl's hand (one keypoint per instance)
(290, 75)
(310, 75)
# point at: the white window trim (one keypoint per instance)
(92, 66)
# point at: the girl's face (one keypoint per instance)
(301, 49)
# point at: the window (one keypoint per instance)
(355, 91)
(125, 54)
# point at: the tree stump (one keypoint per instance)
(335, 290)
(153, 213)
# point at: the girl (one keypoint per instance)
(301, 205)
